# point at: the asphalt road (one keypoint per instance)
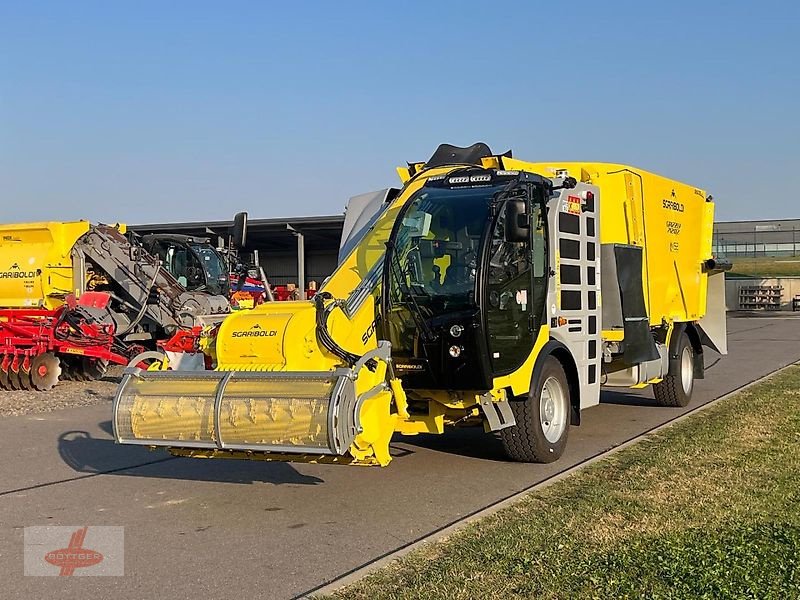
(225, 529)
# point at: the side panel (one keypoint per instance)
(669, 219)
(674, 247)
(35, 263)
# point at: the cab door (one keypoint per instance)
(514, 291)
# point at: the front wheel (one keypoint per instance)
(676, 388)
(540, 434)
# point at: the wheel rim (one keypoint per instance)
(553, 410)
(687, 375)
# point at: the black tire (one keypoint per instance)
(526, 441)
(674, 390)
(93, 368)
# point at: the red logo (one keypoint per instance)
(75, 555)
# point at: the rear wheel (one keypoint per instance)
(676, 387)
(94, 368)
(540, 434)
(71, 368)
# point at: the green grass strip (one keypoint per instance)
(765, 267)
(707, 508)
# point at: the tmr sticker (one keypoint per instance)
(572, 205)
(255, 331)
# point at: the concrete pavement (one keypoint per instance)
(196, 528)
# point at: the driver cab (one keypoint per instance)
(466, 277)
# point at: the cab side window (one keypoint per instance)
(509, 295)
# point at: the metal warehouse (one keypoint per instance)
(290, 250)
(776, 237)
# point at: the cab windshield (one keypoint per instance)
(436, 248)
(216, 273)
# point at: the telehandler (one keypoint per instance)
(487, 290)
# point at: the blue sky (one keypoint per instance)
(158, 111)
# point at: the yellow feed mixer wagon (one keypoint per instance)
(486, 291)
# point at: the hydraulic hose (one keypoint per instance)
(324, 336)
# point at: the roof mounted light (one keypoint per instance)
(470, 179)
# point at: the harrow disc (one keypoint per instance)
(25, 379)
(93, 368)
(45, 370)
(13, 379)
(4, 382)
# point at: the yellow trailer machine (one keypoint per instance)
(487, 290)
(36, 263)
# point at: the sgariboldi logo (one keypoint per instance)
(255, 331)
(74, 556)
(15, 272)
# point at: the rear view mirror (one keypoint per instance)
(239, 233)
(517, 224)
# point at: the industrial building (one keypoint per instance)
(290, 250)
(306, 248)
(777, 237)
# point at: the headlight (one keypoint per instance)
(455, 351)
(456, 330)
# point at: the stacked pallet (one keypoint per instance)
(760, 297)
